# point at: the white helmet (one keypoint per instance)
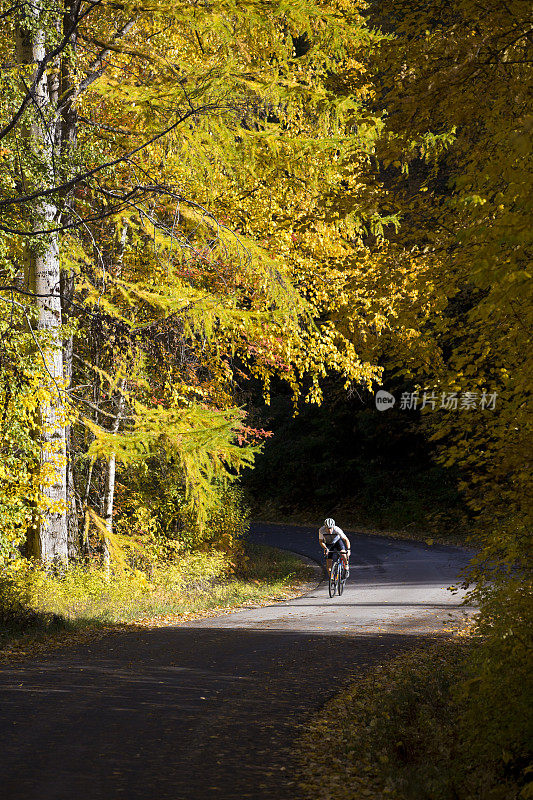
(329, 523)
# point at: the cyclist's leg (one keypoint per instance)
(335, 552)
(344, 556)
(346, 562)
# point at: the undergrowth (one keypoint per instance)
(403, 732)
(192, 585)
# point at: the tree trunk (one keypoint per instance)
(73, 528)
(67, 128)
(109, 495)
(73, 536)
(85, 545)
(52, 527)
(43, 280)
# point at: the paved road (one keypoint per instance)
(393, 585)
(209, 710)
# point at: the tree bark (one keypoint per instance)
(73, 535)
(109, 494)
(43, 280)
(108, 507)
(66, 140)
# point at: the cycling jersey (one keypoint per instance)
(332, 538)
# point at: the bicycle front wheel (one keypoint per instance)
(342, 579)
(333, 579)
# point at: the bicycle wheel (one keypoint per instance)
(342, 578)
(332, 586)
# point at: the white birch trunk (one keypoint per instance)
(53, 536)
(109, 495)
(43, 279)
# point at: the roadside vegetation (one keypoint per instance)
(424, 725)
(372, 471)
(58, 608)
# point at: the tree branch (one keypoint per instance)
(84, 175)
(42, 67)
(97, 65)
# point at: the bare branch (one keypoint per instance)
(99, 410)
(113, 48)
(107, 128)
(98, 66)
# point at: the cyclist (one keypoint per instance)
(331, 537)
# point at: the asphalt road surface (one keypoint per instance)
(393, 585)
(210, 710)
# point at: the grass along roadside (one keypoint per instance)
(84, 603)
(399, 733)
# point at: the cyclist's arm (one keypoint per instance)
(346, 541)
(322, 543)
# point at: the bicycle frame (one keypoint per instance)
(337, 555)
(337, 576)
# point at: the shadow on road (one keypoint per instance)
(390, 604)
(178, 713)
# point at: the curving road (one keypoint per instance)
(393, 585)
(210, 709)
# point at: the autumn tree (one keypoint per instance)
(183, 177)
(463, 77)
(455, 80)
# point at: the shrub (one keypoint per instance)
(496, 697)
(421, 726)
(16, 589)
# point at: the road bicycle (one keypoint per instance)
(337, 577)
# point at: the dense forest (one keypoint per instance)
(224, 227)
